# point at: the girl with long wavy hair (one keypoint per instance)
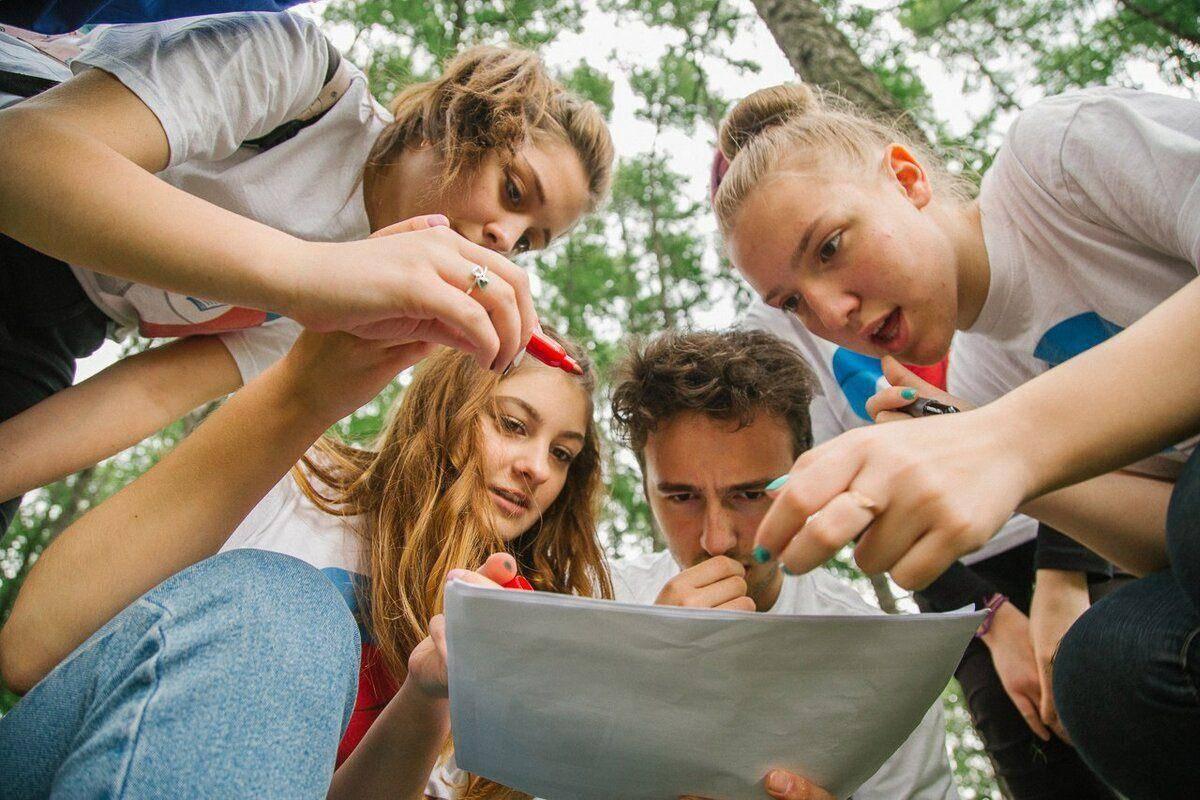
(236, 674)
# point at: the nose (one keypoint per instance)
(501, 235)
(533, 465)
(718, 537)
(832, 305)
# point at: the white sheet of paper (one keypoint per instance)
(570, 698)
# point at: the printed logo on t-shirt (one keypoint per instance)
(859, 377)
(1072, 336)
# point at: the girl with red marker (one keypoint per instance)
(239, 669)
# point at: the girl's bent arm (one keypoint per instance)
(184, 508)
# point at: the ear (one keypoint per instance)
(903, 167)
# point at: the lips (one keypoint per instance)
(511, 502)
(887, 333)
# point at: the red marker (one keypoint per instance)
(518, 582)
(551, 353)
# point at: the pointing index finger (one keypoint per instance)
(817, 478)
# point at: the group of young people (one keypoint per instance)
(258, 614)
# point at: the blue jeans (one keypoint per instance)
(1127, 674)
(233, 678)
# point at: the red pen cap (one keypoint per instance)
(518, 582)
(551, 353)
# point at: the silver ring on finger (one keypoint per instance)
(480, 279)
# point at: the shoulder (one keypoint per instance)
(639, 579)
(203, 56)
(1085, 132)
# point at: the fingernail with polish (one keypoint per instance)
(784, 569)
(762, 555)
(775, 484)
(908, 394)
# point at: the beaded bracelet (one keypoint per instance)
(992, 605)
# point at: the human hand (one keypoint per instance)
(718, 582)
(409, 282)
(904, 382)
(785, 785)
(1009, 642)
(930, 491)
(337, 373)
(1059, 598)
(427, 663)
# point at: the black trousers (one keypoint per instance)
(1026, 767)
(46, 323)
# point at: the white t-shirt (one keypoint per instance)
(919, 769)
(1091, 218)
(214, 83)
(845, 381)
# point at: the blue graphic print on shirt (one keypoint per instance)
(1072, 336)
(858, 376)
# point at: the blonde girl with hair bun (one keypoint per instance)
(243, 673)
(190, 224)
(1083, 246)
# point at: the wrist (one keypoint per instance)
(998, 613)
(424, 700)
(1011, 433)
(290, 270)
(298, 396)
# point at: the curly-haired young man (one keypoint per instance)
(712, 418)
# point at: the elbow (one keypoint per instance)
(19, 667)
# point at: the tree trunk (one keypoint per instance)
(823, 56)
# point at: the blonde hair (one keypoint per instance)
(495, 99)
(422, 494)
(793, 121)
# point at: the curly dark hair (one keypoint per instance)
(726, 375)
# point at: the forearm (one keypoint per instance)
(396, 756)
(1120, 516)
(1120, 401)
(121, 220)
(111, 411)
(176, 514)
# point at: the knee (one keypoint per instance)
(277, 607)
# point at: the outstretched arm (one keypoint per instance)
(112, 410)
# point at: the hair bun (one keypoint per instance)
(763, 109)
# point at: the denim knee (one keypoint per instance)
(1125, 688)
(276, 607)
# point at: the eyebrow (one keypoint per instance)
(797, 257)
(749, 486)
(532, 412)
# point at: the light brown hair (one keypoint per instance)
(728, 376)
(423, 498)
(797, 124)
(495, 99)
